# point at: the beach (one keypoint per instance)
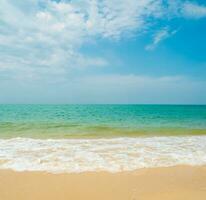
(102, 100)
(169, 183)
(102, 152)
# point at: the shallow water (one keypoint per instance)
(113, 155)
(110, 137)
(78, 121)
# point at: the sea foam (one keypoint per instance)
(113, 155)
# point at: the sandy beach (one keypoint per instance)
(171, 183)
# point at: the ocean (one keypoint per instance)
(77, 138)
(77, 121)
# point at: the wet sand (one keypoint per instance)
(172, 183)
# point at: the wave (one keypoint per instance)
(74, 130)
(113, 155)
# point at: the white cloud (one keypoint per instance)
(193, 10)
(159, 36)
(39, 34)
(44, 36)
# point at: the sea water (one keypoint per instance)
(78, 138)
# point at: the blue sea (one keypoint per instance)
(78, 138)
(73, 121)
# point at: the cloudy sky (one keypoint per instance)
(103, 51)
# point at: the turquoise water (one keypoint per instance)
(65, 121)
(40, 137)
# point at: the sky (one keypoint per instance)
(103, 51)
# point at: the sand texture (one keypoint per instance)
(172, 183)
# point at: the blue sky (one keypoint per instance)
(103, 51)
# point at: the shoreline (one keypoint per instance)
(112, 155)
(103, 137)
(168, 183)
(107, 134)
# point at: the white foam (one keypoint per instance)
(113, 155)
